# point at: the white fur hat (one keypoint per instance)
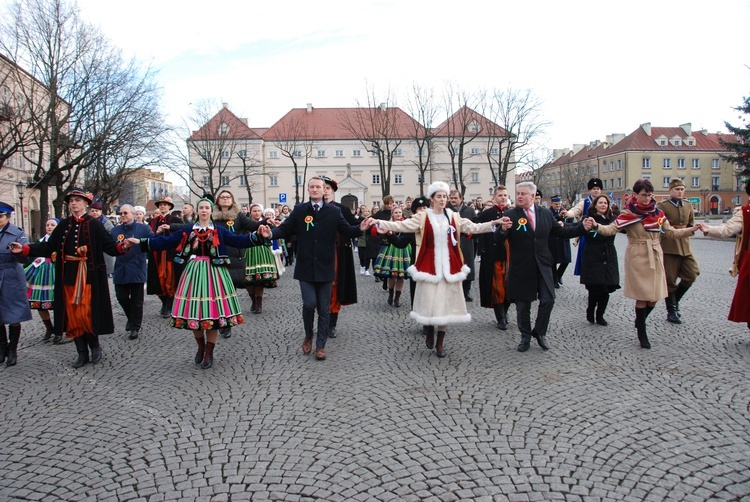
(438, 186)
(269, 210)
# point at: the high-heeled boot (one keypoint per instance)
(208, 356)
(201, 349)
(252, 305)
(601, 307)
(439, 350)
(83, 351)
(14, 334)
(3, 343)
(591, 307)
(397, 299)
(390, 296)
(640, 325)
(48, 333)
(430, 337)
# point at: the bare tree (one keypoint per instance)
(221, 148)
(515, 121)
(422, 107)
(462, 126)
(86, 109)
(295, 139)
(538, 160)
(380, 128)
(573, 180)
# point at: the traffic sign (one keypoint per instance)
(282, 197)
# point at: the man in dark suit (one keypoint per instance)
(527, 228)
(494, 263)
(467, 245)
(316, 223)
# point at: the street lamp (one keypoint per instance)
(20, 187)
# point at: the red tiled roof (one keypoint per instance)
(329, 123)
(464, 116)
(640, 141)
(238, 129)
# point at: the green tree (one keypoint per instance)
(740, 147)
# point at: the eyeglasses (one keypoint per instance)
(225, 197)
(121, 214)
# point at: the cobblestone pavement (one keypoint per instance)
(594, 418)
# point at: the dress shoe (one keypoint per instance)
(57, 339)
(468, 298)
(332, 332)
(541, 340)
(133, 335)
(502, 324)
(320, 354)
(525, 343)
(12, 358)
(307, 346)
(557, 285)
(96, 355)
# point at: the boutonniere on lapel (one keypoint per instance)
(522, 224)
(230, 225)
(120, 238)
(309, 222)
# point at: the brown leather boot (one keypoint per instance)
(208, 356)
(201, 349)
(439, 346)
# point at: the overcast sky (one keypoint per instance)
(599, 67)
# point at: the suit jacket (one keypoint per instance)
(529, 251)
(316, 239)
(346, 278)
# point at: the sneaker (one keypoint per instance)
(367, 273)
(361, 270)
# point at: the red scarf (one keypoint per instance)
(651, 216)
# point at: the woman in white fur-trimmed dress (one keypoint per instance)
(439, 269)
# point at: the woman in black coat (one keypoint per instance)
(599, 268)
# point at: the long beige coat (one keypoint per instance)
(728, 229)
(645, 279)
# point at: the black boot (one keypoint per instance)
(48, 333)
(201, 349)
(591, 307)
(678, 294)
(640, 324)
(225, 332)
(252, 304)
(3, 343)
(83, 351)
(601, 307)
(208, 356)
(439, 350)
(258, 304)
(397, 299)
(430, 338)
(390, 296)
(525, 343)
(14, 334)
(501, 316)
(672, 310)
(96, 349)
(333, 319)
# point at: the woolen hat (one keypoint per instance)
(96, 205)
(419, 202)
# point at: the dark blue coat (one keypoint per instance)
(131, 267)
(14, 307)
(316, 240)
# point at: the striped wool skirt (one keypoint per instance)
(392, 262)
(40, 278)
(260, 267)
(205, 297)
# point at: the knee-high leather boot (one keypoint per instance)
(591, 307)
(96, 349)
(601, 307)
(208, 356)
(430, 338)
(439, 350)
(83, 351)
(3, 343)
(501, 316)
(14, 334)
(201, 349)
(678, 294)
(640, 324)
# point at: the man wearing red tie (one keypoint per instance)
(527, 228)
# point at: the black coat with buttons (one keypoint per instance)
(599, 265)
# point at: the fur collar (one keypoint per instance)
(229, 214)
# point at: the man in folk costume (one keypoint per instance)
(494, 263)
(344, 289)
(467, 245)
(83, 309)
(527, 228)
(161, 280)
(439, 269)
(679, 262)
(580, 211)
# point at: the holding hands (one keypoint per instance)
(15, 247)
(702, 227)
(265, 231)
(367, 223)
(505, 223)
(588, 223)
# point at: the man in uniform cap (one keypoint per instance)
(558, 246)
(679, 262)
(580, 211)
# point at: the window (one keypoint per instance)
(604, 182)
(475, 177)
(243, 181)
(604, 168)
(494, 150)
(714, 163)
(691, 142)
(242, 154)
(398, 152)
(677, 142)
(223, 129)
(715, 183)
(206, 182)
(737, 200)
(646, 163)
(225, 181)
(474, 151)
(695, 181)
(299, 180)
(696, 163)
(297, 153)
(619, 182)
(338, 153)
(273, 181)
(420, 178)
(665, 181)
(320, 153)
(667, 164)
(273, 154)
(611, 165)
(375, 179)
(663, 142)
(680, 163)
(373, 153)
(398, 179)
(356, 153)
(226, 154)
(619, 164)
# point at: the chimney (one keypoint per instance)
(577, 147)
(383, 107)
(309, 108)
(646, 128)
(225, 105)
(688, 128)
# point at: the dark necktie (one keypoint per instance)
(315, 209)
